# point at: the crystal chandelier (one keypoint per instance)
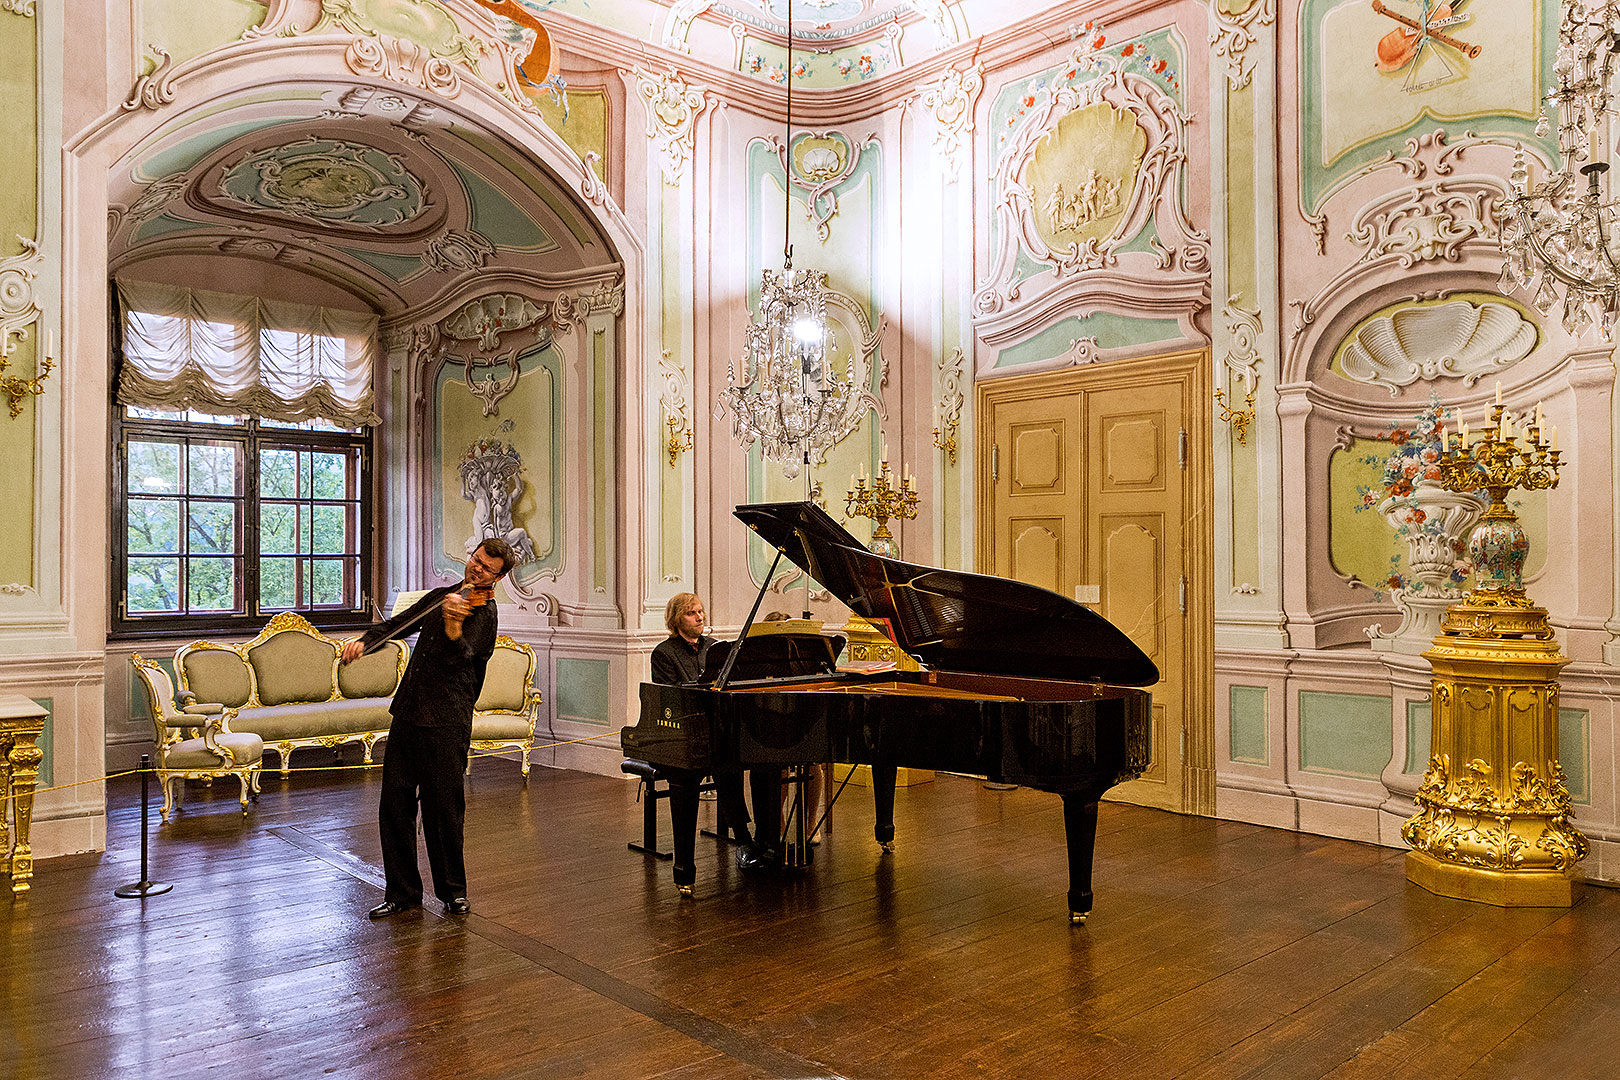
(1560, 236)
(785, 391)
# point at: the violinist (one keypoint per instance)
(431, 732)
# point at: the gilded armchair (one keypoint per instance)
(191, 743)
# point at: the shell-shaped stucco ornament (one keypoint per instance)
(1456, 340)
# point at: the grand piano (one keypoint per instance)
(1017, 684)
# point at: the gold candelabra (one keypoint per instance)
(881, 502)
(18, 388)
(1493, 807)
(678, 441)
(1240, 419)
(1510, 454)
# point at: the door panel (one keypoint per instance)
(1136, 512)
(1089, 495)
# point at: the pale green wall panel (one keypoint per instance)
(1575, 752)
(1344, 734)
(19, 216)
(1246, 722)
(584, 691)
(1419, 736)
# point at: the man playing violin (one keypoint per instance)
(431, 732)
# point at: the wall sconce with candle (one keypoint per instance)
(18, 388)
(1240, 419)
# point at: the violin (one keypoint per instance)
(1396, 48)
(475, 596)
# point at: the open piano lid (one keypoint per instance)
(950, 619)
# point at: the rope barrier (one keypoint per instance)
(503, 754)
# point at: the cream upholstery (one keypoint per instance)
(508, 705)
(192, 745)
(297, 695)
(287, 688)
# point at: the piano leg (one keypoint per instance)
(683, 815)
(883, 776)
(1080, 823)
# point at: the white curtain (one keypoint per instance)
(220, 353)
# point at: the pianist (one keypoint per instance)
(679, 660)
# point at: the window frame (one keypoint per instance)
(254, 436)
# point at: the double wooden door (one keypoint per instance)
(1094, 484)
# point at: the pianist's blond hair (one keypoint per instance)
(677, 607)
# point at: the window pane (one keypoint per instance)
(211, 584)
(153, 586)
(278, 528)
(154, 466)
(278, 474)
(154, 526)
(331, 476)
(213, 468)
(277, 584)
(329, 583)
(331, 528)
(213, 528)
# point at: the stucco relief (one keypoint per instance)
(949, 104)
(1455, 339)
(18, 307)
(1233, 33)
(1443, 221)
(1090, 167)
(673, 108)
(818, 162)
(155, 89)
(425, 44)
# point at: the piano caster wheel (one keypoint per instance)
(1078, 918)
(684, 890)
(887, 846)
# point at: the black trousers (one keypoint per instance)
(424, 765)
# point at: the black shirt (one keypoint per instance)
(678, 662)
(444, 677)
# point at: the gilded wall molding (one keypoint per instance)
(18, 306)
(1233, 33)
(674, 399)
(673, 108)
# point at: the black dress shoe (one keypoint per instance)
(457, 905)
(387, 908)
(758, 857)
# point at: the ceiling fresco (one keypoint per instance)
(383, 195)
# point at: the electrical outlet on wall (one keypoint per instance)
(1088, 594)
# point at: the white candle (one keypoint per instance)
(1554, 436)
(885, 449)
(50, 343)
(1538, 414)
(1465, 434)
(1499, 392)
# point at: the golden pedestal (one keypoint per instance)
(1493, 822)
(1493, 808)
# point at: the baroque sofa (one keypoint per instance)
(287, 687)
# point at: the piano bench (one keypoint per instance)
(649, 792)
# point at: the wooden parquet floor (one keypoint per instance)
(1215, 950)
